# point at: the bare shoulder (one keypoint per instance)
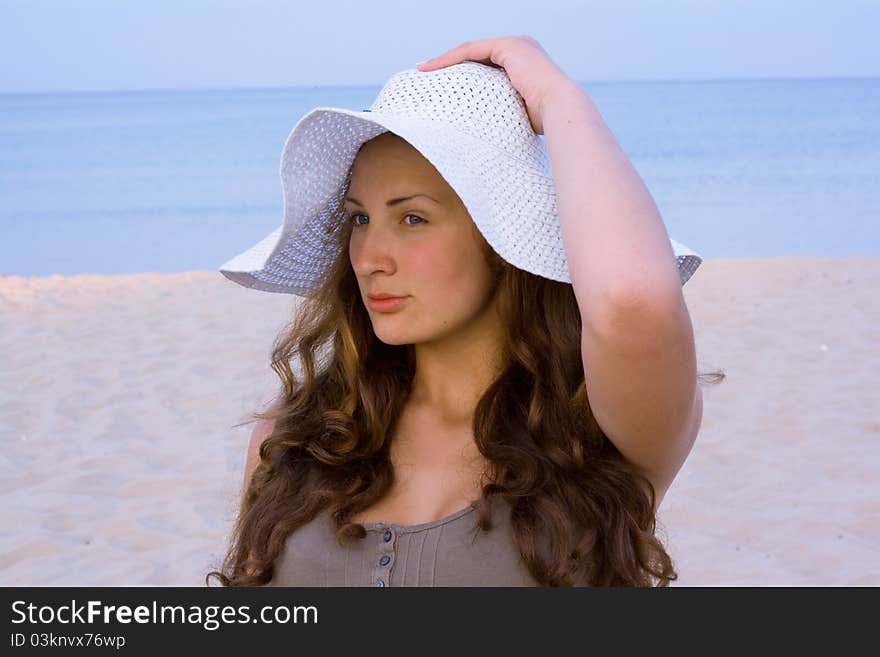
(261, 431)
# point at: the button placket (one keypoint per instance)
(385, 556)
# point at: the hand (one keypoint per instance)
(531, 71)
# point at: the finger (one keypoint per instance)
(477, 51)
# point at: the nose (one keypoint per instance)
(371, 250)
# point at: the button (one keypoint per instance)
(379, 582)
(384, 560)
(387, 535)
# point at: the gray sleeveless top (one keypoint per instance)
(451, 551)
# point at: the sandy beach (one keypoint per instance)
(121, 465)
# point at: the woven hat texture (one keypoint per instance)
(471, 124)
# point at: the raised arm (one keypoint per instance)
(637, 343)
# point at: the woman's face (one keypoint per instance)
(428, 251)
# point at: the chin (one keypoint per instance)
(393, 342)
(395, 332)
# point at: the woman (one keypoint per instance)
(448, 435)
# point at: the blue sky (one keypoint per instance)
(104, 45)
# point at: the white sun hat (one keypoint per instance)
(471, 124)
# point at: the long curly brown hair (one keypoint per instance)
(581, 513)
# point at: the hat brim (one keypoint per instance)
(511, 201)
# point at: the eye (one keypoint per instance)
(353, 219)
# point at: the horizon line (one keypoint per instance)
(374, 86)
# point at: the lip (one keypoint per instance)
(387, 304)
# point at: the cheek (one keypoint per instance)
(447, 271)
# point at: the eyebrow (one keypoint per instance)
(393, 201)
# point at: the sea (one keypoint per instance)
(172, 181)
